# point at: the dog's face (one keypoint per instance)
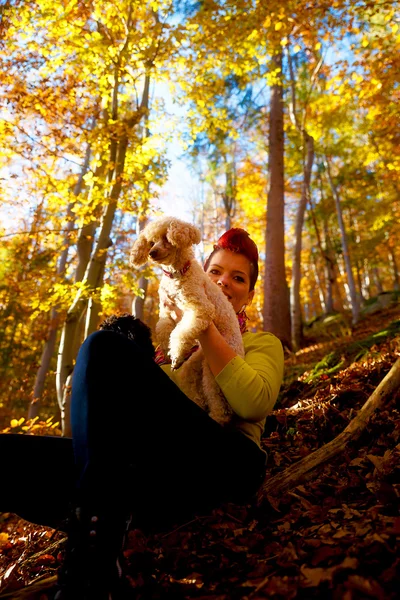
(162, 251)
(163, 240)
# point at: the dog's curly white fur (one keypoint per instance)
(169, 242)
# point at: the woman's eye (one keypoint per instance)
(214, 272)
(239, 278)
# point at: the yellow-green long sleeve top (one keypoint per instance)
(251, 384)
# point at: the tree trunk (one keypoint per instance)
(346, 255)
(377, 279)
(295, 305)
(68, 343)
(360, 293)
(304, 470)
(50, 343)
(94, 307)
(329, 263)
(396, 278)
(319, 281)
(88, 230)
(276, 310)
(138, 302)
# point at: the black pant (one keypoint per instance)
(140, 445)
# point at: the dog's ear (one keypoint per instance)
(183, 234)
(140, 251)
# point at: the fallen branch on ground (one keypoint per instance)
(306, 469)
(36, 591)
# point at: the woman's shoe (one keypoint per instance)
(92, 567)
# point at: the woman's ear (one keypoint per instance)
(250, 297)
(183, 234)
(140, 251)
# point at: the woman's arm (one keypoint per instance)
(216, 350)
(250, 385)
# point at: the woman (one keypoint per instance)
(143, 450)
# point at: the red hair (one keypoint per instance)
(238, 240)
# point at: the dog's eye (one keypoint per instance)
(151, 244)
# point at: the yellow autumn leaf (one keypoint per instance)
(278, 25)
(365, 42)
(22, 419)
(3, 538)
(297, 48)
(317, 46)
(14, 423)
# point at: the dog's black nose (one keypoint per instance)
(153, 253)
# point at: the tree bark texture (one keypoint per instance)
(305, 469)
(396, 278)
(295, 304)
(355, 310)
(93, 275)
(276, 311)
(50, 343)
(68, 343)
(329, 264)
(138, 302)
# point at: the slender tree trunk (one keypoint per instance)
(396, 278)
(378, 280)
(342, 274)
(319, 281)
(94, 307)
(360, 293)
(67, 350)
(328, 262)
(296, 319)
(331, 275)
(138, 302)
(276, 310)
(96, 264)
(50, 343)
(346, 255)
(88, 230)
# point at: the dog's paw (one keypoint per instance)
(176, 363)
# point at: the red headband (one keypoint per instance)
(238, 240)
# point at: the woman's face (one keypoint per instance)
(231, 271)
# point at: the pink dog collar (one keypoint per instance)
(182, 271)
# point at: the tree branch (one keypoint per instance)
(305, 469)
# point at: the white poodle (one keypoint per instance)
(169, 242)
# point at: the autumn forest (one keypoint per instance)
(287, 118)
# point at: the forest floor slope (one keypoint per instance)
(338, 536)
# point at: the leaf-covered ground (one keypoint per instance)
(338, 536)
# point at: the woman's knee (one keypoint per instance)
(103, 350)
